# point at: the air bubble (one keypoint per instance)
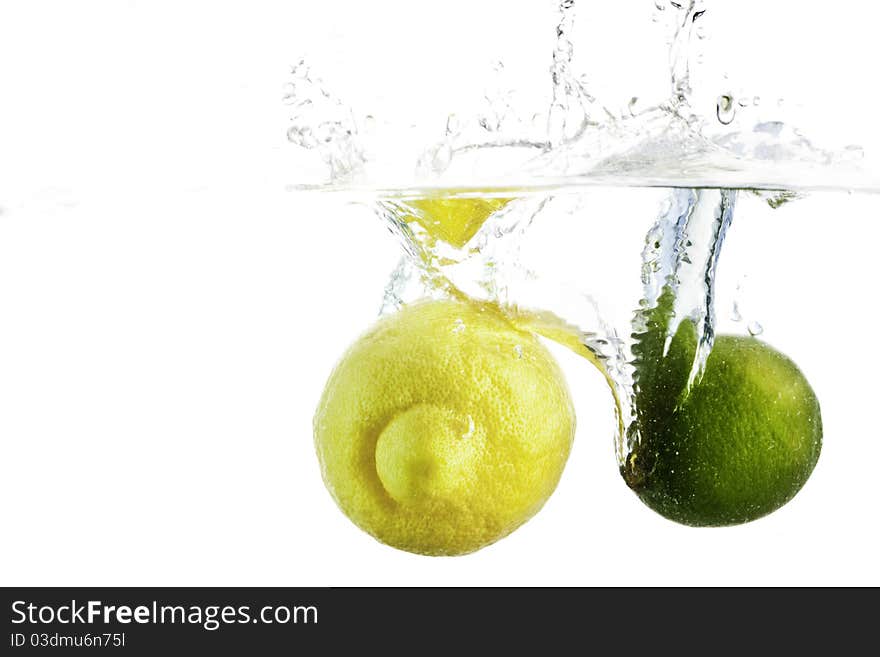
(725, 109)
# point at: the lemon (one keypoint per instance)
(443, 428)
(453, 220)
(737, 446)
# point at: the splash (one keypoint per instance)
(470, 207)
(576, 140)
(323, 124)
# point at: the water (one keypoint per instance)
(523, 192)
(576, 140)
(514, 260)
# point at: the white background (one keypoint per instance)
(169, 313)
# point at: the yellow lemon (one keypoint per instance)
(444, 428)
(454, 220)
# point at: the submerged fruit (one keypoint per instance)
(740, 444)
(454, 220)
(444, 428)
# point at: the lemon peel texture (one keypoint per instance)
(444, 428)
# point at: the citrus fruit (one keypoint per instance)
(443, 428)
(736, 446)
(453, 220)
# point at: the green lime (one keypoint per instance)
(737, 446)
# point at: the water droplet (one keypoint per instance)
(519, 351)
(631, 105)
(289, 97)
(661, 6)
(459, 326)
(442, 158)
(755, 329)
(453, 125)
(471, 428)
(756, 101)
(302, 136)
(735, 315)
(852, 152)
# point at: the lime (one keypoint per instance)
(736, 446)
(444, 428)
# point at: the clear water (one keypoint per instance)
(576, 140)
(674, 176)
